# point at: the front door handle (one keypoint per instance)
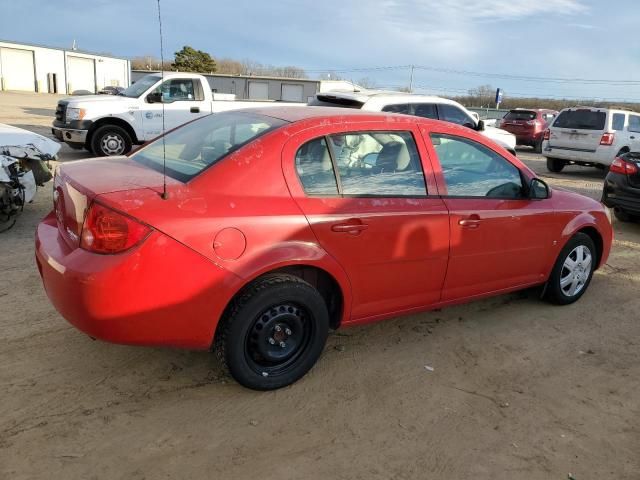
(195, 109)
(472, 221)
(352, 228)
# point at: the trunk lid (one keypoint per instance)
(578, 129)
(633, 157)
(76, 184)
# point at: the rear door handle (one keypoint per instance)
(195, 109)
(632, 137)
(352, 228)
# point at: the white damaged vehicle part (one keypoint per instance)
(24, 158)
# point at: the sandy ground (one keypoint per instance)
(519, 389)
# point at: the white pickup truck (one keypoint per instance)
(113, 124)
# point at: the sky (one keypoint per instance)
(455, 45)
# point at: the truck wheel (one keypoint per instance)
(555, 165)
(273, 333)
(110, 140)
(572, 271)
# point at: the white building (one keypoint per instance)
(34, 68)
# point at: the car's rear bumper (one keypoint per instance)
(617, 193)
(603, 155)
(159, 293)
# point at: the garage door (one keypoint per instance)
(16, 67)
(258, 90)
(292, 93)
(82, 75)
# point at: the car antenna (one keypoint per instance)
(164, 194)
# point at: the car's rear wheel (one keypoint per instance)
(110, 140)
(572, 271)
(555, 165)
(622, 215)
(274, 332)
(537, 147)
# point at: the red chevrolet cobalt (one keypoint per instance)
(281, 223)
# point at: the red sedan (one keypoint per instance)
(281, 223)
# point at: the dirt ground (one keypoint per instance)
(519, 389)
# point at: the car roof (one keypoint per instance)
(366, 95)
(305, 112)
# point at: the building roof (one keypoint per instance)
(70, 50)
(244, 77)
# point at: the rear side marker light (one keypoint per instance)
(107, 231)
(607, 139)
(622, 166)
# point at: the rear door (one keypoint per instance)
(578, 129)
(371, 201)
(634, 132)
(499, 238)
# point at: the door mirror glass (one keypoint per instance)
(538, 189)
(154, 97)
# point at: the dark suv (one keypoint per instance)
(528, 125)
(622, 187)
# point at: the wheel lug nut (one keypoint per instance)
(288, 331)
(278, 328)
(272, 341)
(282, 344)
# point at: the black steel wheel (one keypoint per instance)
(273, 333)
(110, 140)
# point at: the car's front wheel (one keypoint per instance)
(572, 271)
(273, 333)
(555, 165)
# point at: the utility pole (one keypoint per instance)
(411, 80)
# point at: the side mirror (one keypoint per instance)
(154, 97)
(538, 189)
(481, 126)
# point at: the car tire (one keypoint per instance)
(537, 147)
(572, 271)
(555, 165)
(273, 332)
(110, 140)
(623, 216)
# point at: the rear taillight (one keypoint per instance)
(620, 165)
(531, 122)
(547, 134)
(107, 231)
(607, 139)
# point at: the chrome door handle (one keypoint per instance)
(352, 228)
(469, 222)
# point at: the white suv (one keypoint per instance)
(426, 106)
(590, 136)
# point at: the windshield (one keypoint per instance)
(520, 115)
(581, 120)
(141, 86)
(191, 149)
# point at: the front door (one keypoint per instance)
(499, 238)
(366, 199)
(182, 101)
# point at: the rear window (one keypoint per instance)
(581, 120)
(191, 149)
(520, 115)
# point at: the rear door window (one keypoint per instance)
(425, 110)
(367, 164)
(634, 123)
(617, 121)
(581, 120)
(398, 108)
